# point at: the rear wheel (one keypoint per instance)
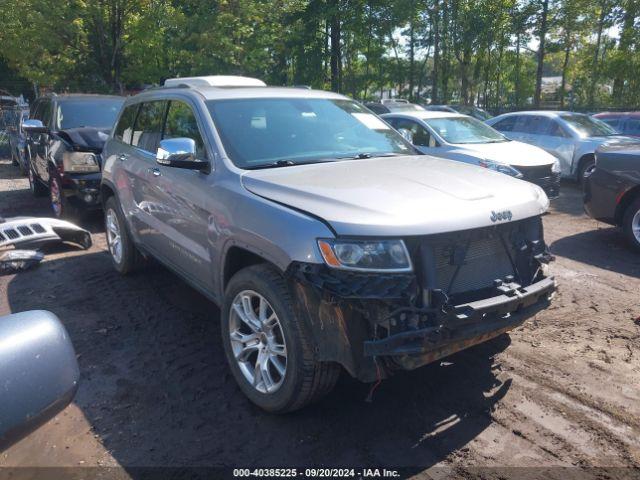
(124, 254)
(269, 352)
(631, 224)
(37, 188)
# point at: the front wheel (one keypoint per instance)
(587, 166)
(124, 254)
(631, 224)
(269, 352)
(59, 204)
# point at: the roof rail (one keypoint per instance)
(214, 81)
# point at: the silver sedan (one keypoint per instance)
(571, 137)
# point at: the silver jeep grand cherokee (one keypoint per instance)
(328, 242)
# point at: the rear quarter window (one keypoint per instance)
(124, 128)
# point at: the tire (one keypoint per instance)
(24, 166)
(631, 224)
(128, 260)
(36, 187)
(59, 204)
(587, 163)
(305, 380)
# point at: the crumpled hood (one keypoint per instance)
(510, 153)
(86, 138)
(398, 196)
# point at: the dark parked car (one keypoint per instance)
(18, 142)
(65, 136)
(627, 123)
(612, 189)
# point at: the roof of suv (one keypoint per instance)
(79, 96)
(217, 93)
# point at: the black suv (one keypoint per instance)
(65, 136)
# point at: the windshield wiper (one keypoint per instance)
(286, 163)
(364, 156)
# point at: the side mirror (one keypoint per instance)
(38, 372)
(179, 153)
(406, 134)
(34, 126)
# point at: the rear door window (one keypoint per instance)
(148, 126)
(124, 129)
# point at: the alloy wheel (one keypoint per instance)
(114, 240)
(635, 226)
(257, 341)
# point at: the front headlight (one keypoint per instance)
(80, 162)
(555, 168)
(366, 255)
(501, 167)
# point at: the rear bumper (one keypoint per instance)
(465, 325)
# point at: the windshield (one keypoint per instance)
(259, 132)
(587, 126)
(96, 112)
(464, 130)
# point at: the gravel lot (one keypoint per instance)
(563, 390)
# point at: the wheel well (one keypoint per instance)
(583, 159)
(236, 259)
(105, 192)
(625, 201)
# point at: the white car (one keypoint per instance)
(466, 139)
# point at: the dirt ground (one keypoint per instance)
(561, 391)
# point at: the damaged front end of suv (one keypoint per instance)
(459, 289)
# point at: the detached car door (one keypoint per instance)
(182, 196)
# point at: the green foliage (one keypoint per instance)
(471, 51)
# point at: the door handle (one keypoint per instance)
(122, 157)
(154, 171)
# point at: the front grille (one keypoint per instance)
(11, 234)
(535, 172)
(24, 230)
(543, 177)
(472, 260)
(485, 260)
